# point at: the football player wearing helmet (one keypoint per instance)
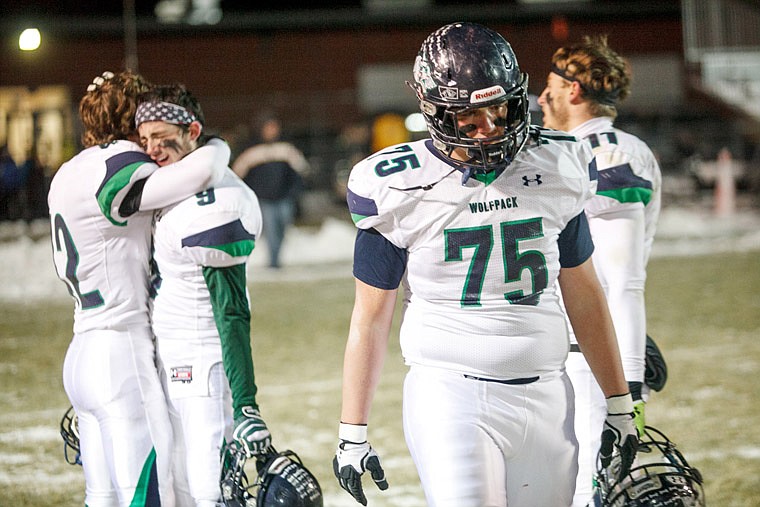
(282, 480)
(584, 88)
(446, 102)
(478, 223)
(101, 206)
(201, 310)
(661, 476)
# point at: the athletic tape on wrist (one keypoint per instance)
(356, 433)
(621, 404)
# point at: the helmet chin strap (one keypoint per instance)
(481, 156)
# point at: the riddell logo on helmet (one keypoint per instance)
(487, 94)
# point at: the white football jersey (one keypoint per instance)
(101, 255)
(215, 228)
(101, 243)
(629, 175)
(482, 258)
(623, 220)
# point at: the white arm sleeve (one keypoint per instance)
(620, 263)
(199, 170)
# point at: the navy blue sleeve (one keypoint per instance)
(575, 244)
(377, 261)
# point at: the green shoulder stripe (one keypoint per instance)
(357, 217)
(237, 249)
(631, 194)
(119, 171)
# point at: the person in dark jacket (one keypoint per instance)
(275, 170)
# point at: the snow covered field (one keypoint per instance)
(27, 271)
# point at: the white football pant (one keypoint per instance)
(201, 424)
(485, 444)
(590, 413)
(111, 380)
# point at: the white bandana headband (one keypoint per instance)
(163, 111)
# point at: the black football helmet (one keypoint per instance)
(70, 435)
(282, 480)
(656, 369)
(464, 66)
(659, 476)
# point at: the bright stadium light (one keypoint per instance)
(415, 122)
(29, 40)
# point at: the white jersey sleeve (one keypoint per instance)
(197, 171)
(483, 257)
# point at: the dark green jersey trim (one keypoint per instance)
(227, 288)
(112, 187)
(643, 195)
(146, 492)
(357, 218)
(238, 248)
(486, 178)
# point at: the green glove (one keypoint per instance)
(638, 407)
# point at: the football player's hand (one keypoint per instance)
(619, 434)
(251, 432)
(639, 403)
(353, 457)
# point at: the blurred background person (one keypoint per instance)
(586, 83)
(275, 170)
(13, 178)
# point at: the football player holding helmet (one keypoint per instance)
(660, 476)
(449, 82)
(70, 434)
(282, 480)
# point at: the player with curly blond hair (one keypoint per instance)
(587, 82)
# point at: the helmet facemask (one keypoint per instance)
(281, 479)
(70, 434)
(660, 476)
(483, 154)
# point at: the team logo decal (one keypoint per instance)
(528, 181)
(422, 74)
(182, 374)
(448, 92)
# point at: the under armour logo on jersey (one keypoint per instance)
(527, 181)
